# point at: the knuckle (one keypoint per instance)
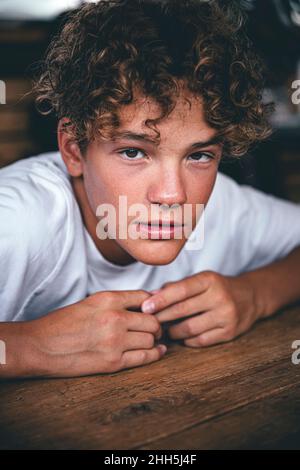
(227, 296)
(189, 329)
(211, 276)
(220, 295)
(106, 297)
(143, 292)
(216, 317)
(229, 333)
(156, 325)
(109, 295)
(115, 317)
(112, 339)
(226, 300)
(159, 333)
(182, 290)
(182, 307)
(150, 341)
(110, 322)
(105, 319)
(114, 362)
(95, 300)
(231, 312)
(200, 341)
(142, 356)
(196, 342)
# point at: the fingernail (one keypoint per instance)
(154, 291)
(162, 348)
(148, 307)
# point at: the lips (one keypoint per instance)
(162, 223)
(160, 230)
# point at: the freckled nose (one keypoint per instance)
(168, 188)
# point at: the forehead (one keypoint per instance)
(186, 119)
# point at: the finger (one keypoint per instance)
(137, 340)
(130, 298)
(176, 292)
(159, 333)
(142, 356)
(194, 326)
(209, 338)
(190, 306)
(142, 322)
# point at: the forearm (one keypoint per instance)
(19, 358)
(277, 284)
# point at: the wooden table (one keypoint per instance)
(243, 394)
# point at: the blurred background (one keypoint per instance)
(27, 26)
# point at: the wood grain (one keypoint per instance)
(243, 394)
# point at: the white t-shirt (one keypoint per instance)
(49, 260)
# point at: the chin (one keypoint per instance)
(156, 252)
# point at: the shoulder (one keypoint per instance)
(41, 239)
(259, 227)
(228, 193)
(244, 201)
(35, 198)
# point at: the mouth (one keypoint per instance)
(161, 229)
(161, 223)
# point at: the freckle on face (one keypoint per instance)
(164, 177)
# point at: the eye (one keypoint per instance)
(132, 154)
(202, 157)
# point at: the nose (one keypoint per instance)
(168, 187)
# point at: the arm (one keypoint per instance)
(277, 284)
(19, 359)
(97, 335)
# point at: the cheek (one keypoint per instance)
(102, 188)
(94, 188)
(199, 192)
(201, 187)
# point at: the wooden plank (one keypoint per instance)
(13, 120)
(17, 91)
(22, 35)
(270, 423)
(138, 407)
(12, 151)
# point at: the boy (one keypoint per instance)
(150, 95)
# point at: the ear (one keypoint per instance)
(69, 149)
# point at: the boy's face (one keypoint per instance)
(176, 170)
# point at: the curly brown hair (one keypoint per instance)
(106, 50)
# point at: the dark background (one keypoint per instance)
(274, 27)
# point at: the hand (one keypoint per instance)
(223, 307)
(98, 334)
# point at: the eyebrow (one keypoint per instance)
(215, 140)
(133, 136)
